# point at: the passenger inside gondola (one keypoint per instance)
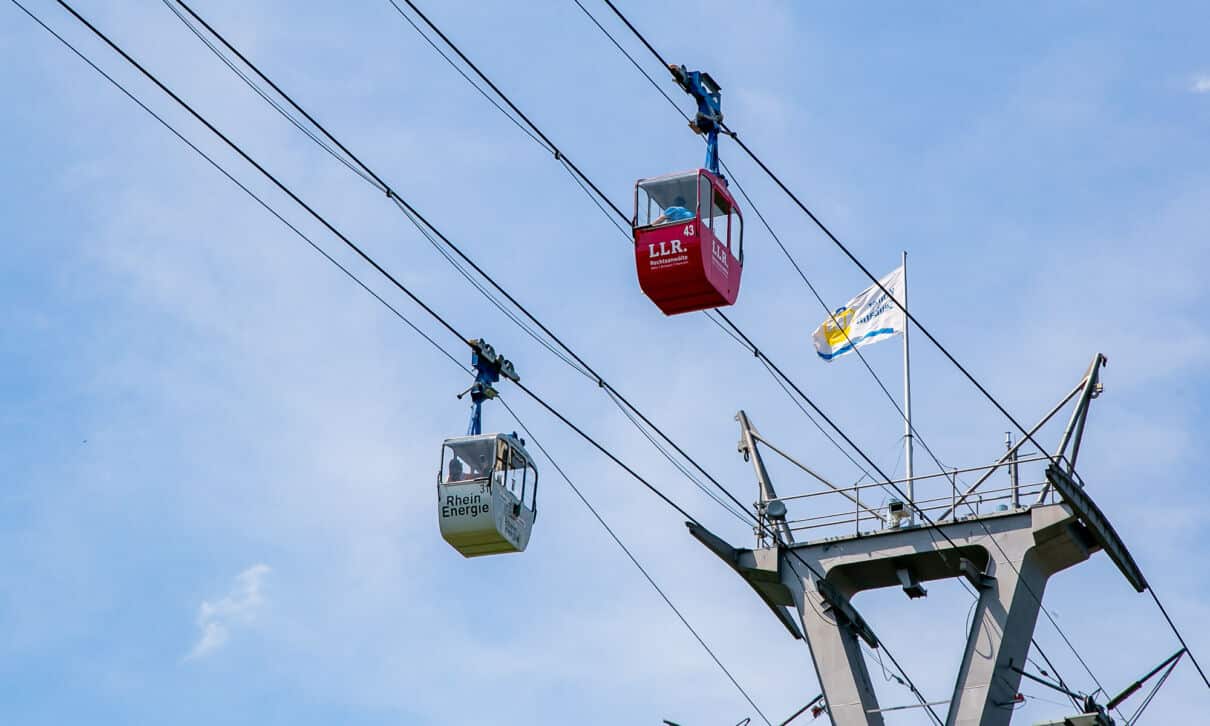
(676, 212)
(482, 468)
(667, 199)
(469, 460)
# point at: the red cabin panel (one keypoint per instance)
(687, 264)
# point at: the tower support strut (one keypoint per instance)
(1009, 574)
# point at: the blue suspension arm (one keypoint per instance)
(476, 426)
(488, 368)
(709, 119)
(480, 392)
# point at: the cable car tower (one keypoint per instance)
(487, 485)
(1005, 541)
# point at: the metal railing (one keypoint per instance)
(923, 477)
(943, 507)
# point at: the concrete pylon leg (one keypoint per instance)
(1002, 629)
(1000, 635)
(836, 652)
(1008, 557)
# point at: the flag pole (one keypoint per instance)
(907, 401)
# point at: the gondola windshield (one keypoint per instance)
(496, 458)
(469, 459)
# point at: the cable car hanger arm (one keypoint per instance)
(709, 119)
(489, 366)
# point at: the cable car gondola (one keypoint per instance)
(487, 486)
(688, 230)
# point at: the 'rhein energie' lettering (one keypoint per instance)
(470, 505)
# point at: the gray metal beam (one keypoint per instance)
(1075, 426)
(777, 511)
(1009, 454)
(839, 662)
(815, 475)
(1098, 525)
(1074, 432)
(1007, 556)
(761, 575)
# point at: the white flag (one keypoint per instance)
(867, 318)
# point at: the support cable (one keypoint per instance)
(1134, 718)
(415, 215)
(697, 636)
(571, 166)
(601, 383)
(777, 239)
(663, 595)
(907, 680)
(365, 174)
(545, 145)
(794, 263)
(1164, 612)
(836, 241)
(378, 267)
(577, 172)
(909, 316)
(802, 710)
(268, 98)
(684, 470)
(487, 294)
(930, 524)
(255, 197)
(553, 148)
(562, 156)
(634, 560)
(349, 243)
(637, 66)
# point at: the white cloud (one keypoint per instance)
(239, 606)
(1201, 83)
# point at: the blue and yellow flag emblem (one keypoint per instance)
(867, 318)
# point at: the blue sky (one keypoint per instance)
(220, 452)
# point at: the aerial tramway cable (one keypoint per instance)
(549, 145)
(634, 560)
(742, 338)
(908, 315)
(425, 226)
(415, 215)
(753, 348)
(931, 526)
(745, 341)
(397, 313)
(890, 397)
(383, 186)
(591, 189)
(368, 259)
(356, 249)
(786, 252)
(734, 135)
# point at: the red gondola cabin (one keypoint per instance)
(688, 241)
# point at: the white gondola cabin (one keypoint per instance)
(486, 494)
